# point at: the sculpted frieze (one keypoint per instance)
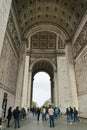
(81, 42)
(13, 32)
(40, 56)
(81, 72)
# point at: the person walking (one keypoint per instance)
(68, 118)
(76, 115)
(71, 112)
(9, 116)
(16, 114)
(51, 116)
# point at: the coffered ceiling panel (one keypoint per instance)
(43, 40)
(65, 14)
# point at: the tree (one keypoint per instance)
(47, 102)
(34, 104)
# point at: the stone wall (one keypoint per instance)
(8, 71)
(81, 80)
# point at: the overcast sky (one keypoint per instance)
(41, 88)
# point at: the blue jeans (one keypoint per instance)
(51, 120)
(17, 124)
(68, 118)
(76, 117)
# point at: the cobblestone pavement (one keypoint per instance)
(31, 123)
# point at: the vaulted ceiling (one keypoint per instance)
(64, 14)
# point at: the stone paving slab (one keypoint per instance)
(31, 123)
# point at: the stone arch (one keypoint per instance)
(46, 27)
(45, 65)
(43, 59)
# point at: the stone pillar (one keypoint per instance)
(63, 88)
(71, 74)
(55, 88)
(4, 13)
(25, 83)
(18, 97)
(31, 94)
(52, 91)
(29, 88)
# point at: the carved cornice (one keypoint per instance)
(2, 86)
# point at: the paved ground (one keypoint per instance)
(31, 123)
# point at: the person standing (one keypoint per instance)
(38, 114)
(56, 112)
(51, 116)
(44, 114)
(1, 113)
(16, 114)
(9, 116)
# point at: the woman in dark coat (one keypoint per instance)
(9, 115)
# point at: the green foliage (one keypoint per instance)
(47, 102)
(34, 104)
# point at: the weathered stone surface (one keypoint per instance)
(4, 12)
(8, 66)
(81, 80)
(64, 90)
(81, 73)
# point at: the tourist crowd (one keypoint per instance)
(43, 113)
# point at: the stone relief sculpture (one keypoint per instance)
(80, 42)
(13, 31)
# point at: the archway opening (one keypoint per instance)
(41, 89)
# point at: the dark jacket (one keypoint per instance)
(9, 116)
(16, 113)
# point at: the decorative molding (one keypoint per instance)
(46, 40)
(2, 86)
(82, 93)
